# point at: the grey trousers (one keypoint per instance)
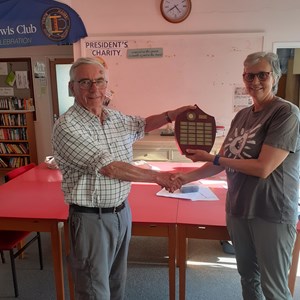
(264, 254)
(98, 255)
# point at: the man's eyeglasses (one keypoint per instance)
(86, 84)
(261, 76)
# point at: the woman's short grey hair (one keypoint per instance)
(272, 59)
(83, 61)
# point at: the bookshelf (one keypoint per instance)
(17, 115)
(17, 139)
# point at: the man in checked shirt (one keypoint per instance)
(93, 148)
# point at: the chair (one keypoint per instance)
(9, 240)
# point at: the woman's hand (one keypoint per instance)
(199, 155)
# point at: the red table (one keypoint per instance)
(34, 202)
(206, 220)
(155, 216)
(201, 220)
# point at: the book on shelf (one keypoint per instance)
(24, 148)
(13, 133)
(20, 148)
(13, 119)
(14, 162)
(3, 164)
(13, 148)
(15, 103)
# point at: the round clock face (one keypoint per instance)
(175, 11)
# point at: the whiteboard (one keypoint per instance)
(201, 69)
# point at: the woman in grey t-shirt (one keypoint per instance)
(261, 157)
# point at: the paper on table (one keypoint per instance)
(215, 183)
(204, 194)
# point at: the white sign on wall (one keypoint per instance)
(6, 91)
(3, 68)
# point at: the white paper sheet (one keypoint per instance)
(22, 80)
(204, 194)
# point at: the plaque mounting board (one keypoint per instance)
(194, 129)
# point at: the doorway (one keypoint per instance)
(289, 83)
(61, 98)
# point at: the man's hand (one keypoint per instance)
(178, 177)
(157, 121)
(174, 113)
(167, 180)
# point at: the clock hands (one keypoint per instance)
(175, 6)
(171, 8)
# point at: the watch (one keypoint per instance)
(175, 11)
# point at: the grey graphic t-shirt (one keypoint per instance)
(276, 197)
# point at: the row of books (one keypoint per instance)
(14, 162)
(14, 103)
(13, 134)
(20, 148)
(12, 120)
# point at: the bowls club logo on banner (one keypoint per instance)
(56, 24)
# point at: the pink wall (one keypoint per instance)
(278, 19)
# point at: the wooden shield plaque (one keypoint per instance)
(194, 129)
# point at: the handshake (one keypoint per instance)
(170, 181)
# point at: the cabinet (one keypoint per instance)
(154, 147)
(17, 140)
(17, 133)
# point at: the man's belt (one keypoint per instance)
(97, 210)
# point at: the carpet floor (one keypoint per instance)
(211, 274)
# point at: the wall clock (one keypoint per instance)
(175, 11)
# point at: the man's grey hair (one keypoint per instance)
(83, 61)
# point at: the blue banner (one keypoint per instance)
(25, 23)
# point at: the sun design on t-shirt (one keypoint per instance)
(239, 144)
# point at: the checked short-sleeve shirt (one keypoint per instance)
(82, 146)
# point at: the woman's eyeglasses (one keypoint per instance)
(86, 84)
(261, 76)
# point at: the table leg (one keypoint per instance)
(172, 261)
(294, 266)
(57, 260)
(67, 246)
(182, 250)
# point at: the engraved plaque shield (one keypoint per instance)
(195, 129)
